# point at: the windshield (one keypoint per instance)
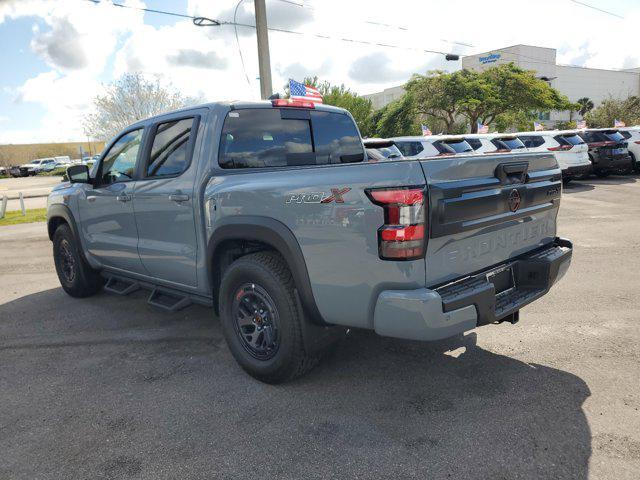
(390, 152)
(458, 146)
(614, 136)
(573, 139)
(474, 143)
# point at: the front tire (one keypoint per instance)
(261, 319)
(76, 277)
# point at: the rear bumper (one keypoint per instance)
(612, 162)
(464, 304)
(577, 171)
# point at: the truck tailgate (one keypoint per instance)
(486, 209)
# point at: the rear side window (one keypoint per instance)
(532, 141)
(254, 138)
(170, 153)
(336, 138)
(409, 149)
(626, 135)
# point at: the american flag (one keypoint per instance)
(300, 91)
(425, 131)
(581, 124)
(537, 126)
(483, 128)
(618, 123)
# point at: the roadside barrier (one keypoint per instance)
(3, 207)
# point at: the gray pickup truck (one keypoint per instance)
(270, 213)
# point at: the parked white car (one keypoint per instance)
(632, 136)
(432, 146)
(571, 151)
(40, 165)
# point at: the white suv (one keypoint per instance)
(571, 152)
(632, 136)
(432, 146)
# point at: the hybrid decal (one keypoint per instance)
(318, 197)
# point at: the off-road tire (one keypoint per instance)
(635, 165)
(268, 271)
(81, 281)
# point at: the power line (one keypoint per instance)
(205, 21)
(380, 24)
(235, 29)
(596, 8)
(150, 10)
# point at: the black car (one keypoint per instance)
(16, 171)
(608, 151)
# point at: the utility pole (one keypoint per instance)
(264, 62)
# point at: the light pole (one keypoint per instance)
(264, 62)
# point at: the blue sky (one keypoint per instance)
(57, 55)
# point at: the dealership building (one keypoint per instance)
(574, 82)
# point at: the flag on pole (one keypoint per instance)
(300, 91)
(537, 126)
(581, 124)
(482, 128)
(618, 124)
(425, 131)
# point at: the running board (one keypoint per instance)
(170, 301)
(121, 286)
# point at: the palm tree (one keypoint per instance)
(586, 105)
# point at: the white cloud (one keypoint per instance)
(79, 39)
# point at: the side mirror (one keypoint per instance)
(78, 174)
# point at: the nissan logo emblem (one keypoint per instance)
(514, 200)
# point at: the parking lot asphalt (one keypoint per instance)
(34, 190)
(109, 387)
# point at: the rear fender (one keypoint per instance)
(276, 235)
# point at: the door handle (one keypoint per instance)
(125, 197)
(179, 197)
(91, 199)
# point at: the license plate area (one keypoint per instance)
(502, 280)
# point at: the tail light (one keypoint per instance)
(637, 141)
(403, 235)
(287, 102)
(560, 148)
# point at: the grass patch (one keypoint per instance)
(33, 215)
(56, 172)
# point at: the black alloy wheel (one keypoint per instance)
(256, 321)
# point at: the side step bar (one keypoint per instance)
(121, 286)
(162, 297)
(170, 301)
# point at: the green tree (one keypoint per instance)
(611, 109)
(340, 96)
(482, 96)
(397, 118)
(585, 105)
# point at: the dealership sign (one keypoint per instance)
(491, 58)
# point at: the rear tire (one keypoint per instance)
(261, 320)
(76, 277)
